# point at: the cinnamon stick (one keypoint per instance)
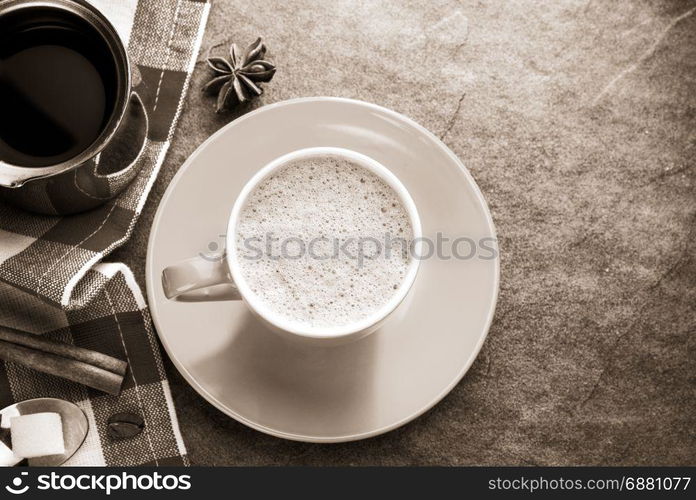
(71, 369)
(64, 350)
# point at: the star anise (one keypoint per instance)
(236, 80)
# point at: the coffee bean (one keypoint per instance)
(125, 425)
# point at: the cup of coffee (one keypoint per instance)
(72, 126)
(319, 245)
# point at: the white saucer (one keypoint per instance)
(325, 394)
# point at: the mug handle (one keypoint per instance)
(119, 179)
(197, 273)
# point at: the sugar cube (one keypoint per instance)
(37, 435)
(7, 415)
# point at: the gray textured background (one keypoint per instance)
(577, 119)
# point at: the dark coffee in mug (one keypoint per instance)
(58, 86)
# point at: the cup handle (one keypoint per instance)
(197, 273)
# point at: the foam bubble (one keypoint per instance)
(298, 240)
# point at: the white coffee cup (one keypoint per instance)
(197, 273)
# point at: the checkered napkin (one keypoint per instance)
(53, 280)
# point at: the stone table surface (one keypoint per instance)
(578, 121)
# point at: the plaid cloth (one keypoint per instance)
(53, 280)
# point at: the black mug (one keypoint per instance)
(72, 131)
